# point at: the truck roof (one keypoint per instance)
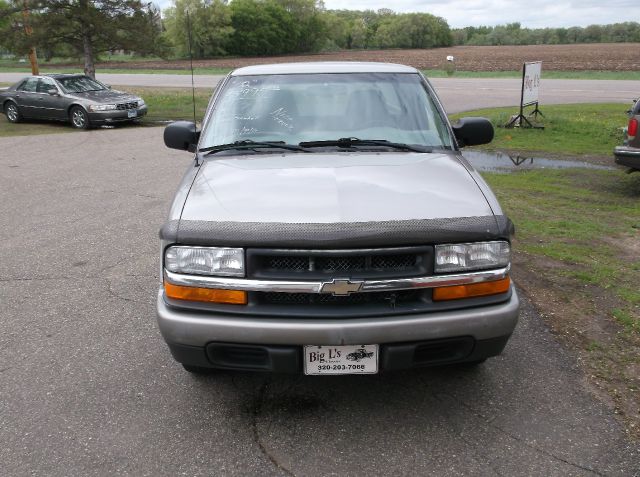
(323, 67)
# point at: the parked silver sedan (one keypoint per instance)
(76, 98)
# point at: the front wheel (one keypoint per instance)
(12, 112)
(79, 118)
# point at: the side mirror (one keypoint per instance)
(473, 131)
(52, 92)
(181, 135)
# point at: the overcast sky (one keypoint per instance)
(530, 13)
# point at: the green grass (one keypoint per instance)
(568, 128)
(172, 103)
(625, 319)
(594, 346)
(586, 220)
(32, 128)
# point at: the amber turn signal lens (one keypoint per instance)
(209, 295)
(474, 290)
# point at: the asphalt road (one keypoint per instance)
(87, 386)
(457, 94)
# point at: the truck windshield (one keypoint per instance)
(299, 108)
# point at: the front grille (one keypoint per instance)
(340, 264)
(291, 264)
(390, 299)
(396, 263)
(125, 106)
(328, 265)
(393, 262)
(381, 263)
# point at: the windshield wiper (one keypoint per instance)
(348, 142)
(249, 144)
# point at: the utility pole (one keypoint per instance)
(28, 31)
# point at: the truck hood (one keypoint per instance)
(334, 188)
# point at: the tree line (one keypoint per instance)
(272, 27)
(514, 34)
(88, 28)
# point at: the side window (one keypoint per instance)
(30, 85)
(45, 84)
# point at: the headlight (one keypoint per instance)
(472, 256)
(141, 103)
(227, 262)
(102, 107)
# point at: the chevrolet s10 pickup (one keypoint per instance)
(329, 224)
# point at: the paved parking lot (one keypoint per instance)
(87, 386)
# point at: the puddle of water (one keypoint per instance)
(503, 162)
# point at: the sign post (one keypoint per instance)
(529, 95)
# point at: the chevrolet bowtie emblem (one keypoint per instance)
(341, 287)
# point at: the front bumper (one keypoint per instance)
(189, 333)
(627, 156)
(115, 116)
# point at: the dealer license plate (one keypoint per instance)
(132, 113)
(350, 359)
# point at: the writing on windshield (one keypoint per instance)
(315, 107)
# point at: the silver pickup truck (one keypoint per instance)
(330, 225)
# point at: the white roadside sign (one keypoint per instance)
(531, 82)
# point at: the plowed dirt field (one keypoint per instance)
(598, 57)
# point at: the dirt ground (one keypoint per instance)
(598, 56)
(580, 316)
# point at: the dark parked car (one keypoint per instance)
(629, 153)
(329, 208)
(81, 100)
